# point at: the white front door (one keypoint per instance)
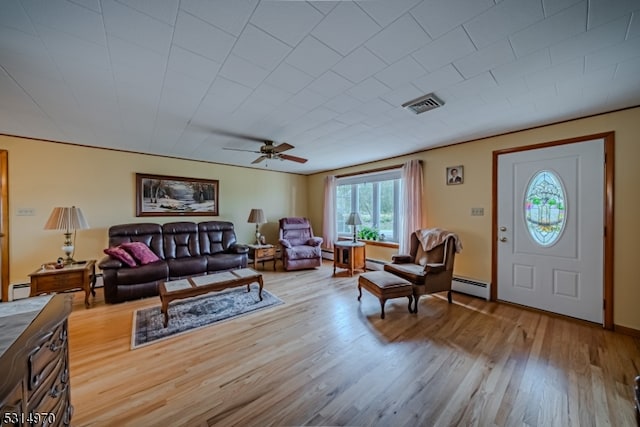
(550, 229)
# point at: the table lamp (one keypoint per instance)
(354, 219)
(257, 216)
(69, 220)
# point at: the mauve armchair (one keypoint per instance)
(300, 248)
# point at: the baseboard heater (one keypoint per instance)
(459, 284)
(470, 287)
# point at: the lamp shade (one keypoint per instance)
(66, 219)
(354, 219)
(256, 216)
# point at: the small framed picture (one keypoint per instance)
(455, 175)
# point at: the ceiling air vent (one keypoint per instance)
(424, 103)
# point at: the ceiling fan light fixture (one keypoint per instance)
(268, 150)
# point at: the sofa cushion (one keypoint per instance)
(180, 239)
(121, 255)
(216, 236)
(156, 271)
(412, 272)
(222, 261)
(384, 281)
(188, 266)
(148, 233)
(140, 252)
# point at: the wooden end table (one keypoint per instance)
(262, 253)
(349, 255)
(70, 277)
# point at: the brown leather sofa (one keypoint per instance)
(184, 248)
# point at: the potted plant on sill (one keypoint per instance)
(368, 233)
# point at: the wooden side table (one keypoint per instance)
(262, 253)
(72, 276)
(349, 255)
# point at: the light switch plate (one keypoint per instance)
(477, 211)
(25, 212)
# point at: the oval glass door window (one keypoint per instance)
(545, 208)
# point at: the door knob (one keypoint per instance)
(503, 228)
(503, 239)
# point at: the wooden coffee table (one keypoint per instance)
(199, 285)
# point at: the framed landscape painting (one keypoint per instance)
(160, 195)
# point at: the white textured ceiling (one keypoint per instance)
(329, 77)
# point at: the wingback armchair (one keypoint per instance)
(428, 266)
(300, 248)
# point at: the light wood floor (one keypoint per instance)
(323, 358)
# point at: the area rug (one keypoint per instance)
(194, 313)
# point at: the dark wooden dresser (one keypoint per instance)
(34, 362)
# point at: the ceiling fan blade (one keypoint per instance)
(238, 149)
(283, 147)
(292, 158)
(222, 132)
(259, 159)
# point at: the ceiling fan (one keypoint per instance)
(271, 151)
(267, 151)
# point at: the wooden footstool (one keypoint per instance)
(385, 286)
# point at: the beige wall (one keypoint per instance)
(43, 175)
(450, 206)
(102, 182)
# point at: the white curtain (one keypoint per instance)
(329, 217)
(411, 212)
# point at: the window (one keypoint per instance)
(376, 198)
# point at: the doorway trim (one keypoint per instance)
(4, 223)
(608, 225)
